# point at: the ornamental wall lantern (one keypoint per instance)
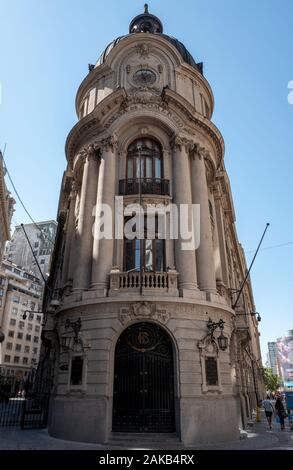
(222, 340)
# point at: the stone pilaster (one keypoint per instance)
(103, 248)
(70, 232)
(184, 259)
(217, 254)
(221, 237)
(82, 277)
(204, 254)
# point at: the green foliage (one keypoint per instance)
(272, 382)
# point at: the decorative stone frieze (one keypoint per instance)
(143, 311)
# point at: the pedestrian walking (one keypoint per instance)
(269, 410)
(281, 411)
(290, 419)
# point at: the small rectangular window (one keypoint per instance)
(18, 347)
(16, 360)
(7, 358)
(9, 346)
(11, 334)
(211, 371)
(76, 370)
(12, 321)
(19, 335)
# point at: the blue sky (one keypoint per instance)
(246, 47)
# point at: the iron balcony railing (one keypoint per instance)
(147, 186)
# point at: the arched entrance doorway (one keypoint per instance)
(143, 381)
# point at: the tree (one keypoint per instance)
(272, 381)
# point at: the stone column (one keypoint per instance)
(184, 259)
(221, 235)
(69, 239)
(82, 277)
(217, 255)
(204, 254)
(73, 250)
(103, 249)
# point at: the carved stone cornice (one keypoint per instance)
(143, 311)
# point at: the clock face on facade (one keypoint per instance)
(144, 77)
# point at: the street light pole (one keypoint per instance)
(251, 264)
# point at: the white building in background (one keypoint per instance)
(273, 357)
(41, 236)
(20, 320)
(285, 359)
(6, 209)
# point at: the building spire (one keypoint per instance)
(146, 8)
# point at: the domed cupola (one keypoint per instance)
(145, 23)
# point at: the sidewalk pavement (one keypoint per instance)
(259, 437)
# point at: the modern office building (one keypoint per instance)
(42, 237)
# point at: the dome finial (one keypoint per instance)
(146, 23)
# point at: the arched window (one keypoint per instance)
(144, 172)
(144, 159)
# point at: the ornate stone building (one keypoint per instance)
(138, 327)
(6, 209)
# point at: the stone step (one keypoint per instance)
(145, 439)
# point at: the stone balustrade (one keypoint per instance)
(143, 282)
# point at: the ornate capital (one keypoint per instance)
(109, 144)
(199, 151)
(179, 143)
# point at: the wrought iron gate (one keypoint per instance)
(143, 381)
(25, 403)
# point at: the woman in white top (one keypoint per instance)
(269, 409)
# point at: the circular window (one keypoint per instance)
(144, 77)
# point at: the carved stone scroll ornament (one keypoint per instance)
(208, 346)
(143, 50)
(143, 311)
